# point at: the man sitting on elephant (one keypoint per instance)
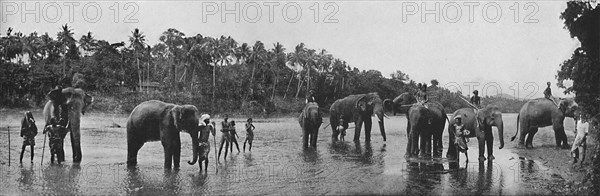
(206, 128)
(548, 94)
(421, 94)
(476, 100)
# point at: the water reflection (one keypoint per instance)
(27, 178)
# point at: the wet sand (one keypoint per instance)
(279, 165)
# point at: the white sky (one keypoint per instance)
(379, 35)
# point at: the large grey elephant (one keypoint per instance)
(479, 123)
(425, 121)
(156, 120)
(310, 120)
(542, 112)
(358, 109)
(401, 103)
(76, 102)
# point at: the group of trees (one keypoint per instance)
(582, 19)
(219, 74)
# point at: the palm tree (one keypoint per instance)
(257, 57)
(278, 63)
(298, 59)
(138, 44)
(173, 39)
(88, 43)
(67, 46)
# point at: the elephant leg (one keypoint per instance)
(313, 137)
(560, 136)
(176, 152)
(358, 125)
(132, 150)
(168, 151)
(524, 129)
(76, 145)
(452, 150)
(334, 124)
(437, 143)
(481, 142)
(529, 142)
(422, 145)
(489, 140)
(305, 137)
(368, 124)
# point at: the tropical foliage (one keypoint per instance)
(217, 74)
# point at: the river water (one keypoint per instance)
(277, 165)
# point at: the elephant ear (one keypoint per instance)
(56, 95)
(177, 113)
(361, 104)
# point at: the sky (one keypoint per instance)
(511, 47)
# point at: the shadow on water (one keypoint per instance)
(353, 151)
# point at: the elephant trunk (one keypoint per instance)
(500, 126)
(195, 144)
(381, 124)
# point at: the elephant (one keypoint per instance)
(542, 112)
(425, 120)
(156, 120)
(310, 120)
(358, 109)
(76, 102)
(479, 123)
(401, 103)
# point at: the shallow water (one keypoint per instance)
(276, 165)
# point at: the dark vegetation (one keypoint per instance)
(218, 75)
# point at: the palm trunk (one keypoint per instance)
(308, 79)
(274, 87)
(299, 86)
(213, 89)
(288, 86)
(139, 74)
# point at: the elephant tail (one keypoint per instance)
(516, 132)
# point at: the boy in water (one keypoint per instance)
(249, 134)
(206, 128)
(460, 139)
(28, 133)
(56, 133)
(225, 137)
(233, 134)
(340, 129)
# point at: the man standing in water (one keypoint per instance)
(206, 128)
(225, 137)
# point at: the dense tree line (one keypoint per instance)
(215, 73)
(582, 19)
